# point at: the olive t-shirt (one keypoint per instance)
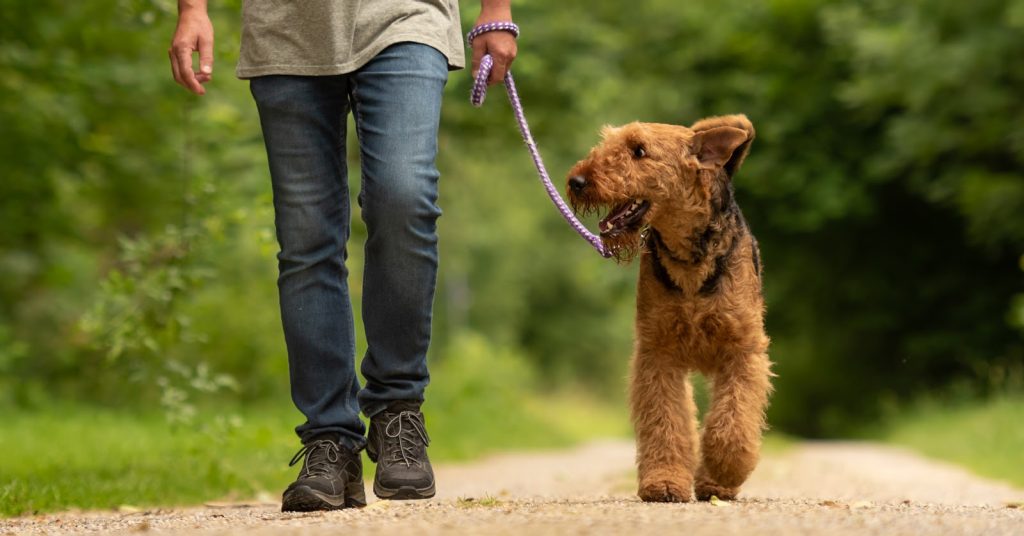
(327, 37)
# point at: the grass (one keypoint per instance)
(985, 437)
(79, 457)
(82, 457)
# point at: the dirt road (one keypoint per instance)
(812, 488)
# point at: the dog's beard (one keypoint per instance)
(623, 243)
(584, 208)
(622, 225)
(624, 246)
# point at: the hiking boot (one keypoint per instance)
(331, 478)
(398, 443)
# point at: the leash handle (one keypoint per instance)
(483, 72)
(477, 96)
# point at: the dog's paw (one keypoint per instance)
(705, 489)
(665, 491)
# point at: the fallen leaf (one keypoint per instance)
(830, 503)
(379, 505)
(715, 501)
(861, 504)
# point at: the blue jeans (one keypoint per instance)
(396, 101)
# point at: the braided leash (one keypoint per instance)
(477, 99)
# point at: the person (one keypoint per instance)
(309, 64)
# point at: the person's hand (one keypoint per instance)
(500, 45)
(194, 33)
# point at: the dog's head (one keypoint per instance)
(657, 175)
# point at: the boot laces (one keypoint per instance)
(409, 432)
(320, 457)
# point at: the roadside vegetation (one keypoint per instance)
(984, 437)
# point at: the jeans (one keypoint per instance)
(396, 102)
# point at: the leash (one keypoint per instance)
(477, 99)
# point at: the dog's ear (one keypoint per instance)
(723, 141)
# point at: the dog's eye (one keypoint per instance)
(639, 151)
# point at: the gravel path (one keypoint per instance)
(813, 488)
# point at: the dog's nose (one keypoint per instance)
(577, 183)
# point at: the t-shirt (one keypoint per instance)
(327, 37)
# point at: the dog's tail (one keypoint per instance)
(739, 121)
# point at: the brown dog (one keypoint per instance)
(699, 303)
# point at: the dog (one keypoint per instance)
(669, 199)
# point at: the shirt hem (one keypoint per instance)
(454, 63)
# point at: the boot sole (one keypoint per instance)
(306, 499)
(403, 493)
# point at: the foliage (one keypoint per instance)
(100, 185)
(884, 187)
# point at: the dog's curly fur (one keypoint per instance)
(699, 303)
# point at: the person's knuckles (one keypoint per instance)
(505, 51)
(502, 58)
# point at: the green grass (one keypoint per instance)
(82, 457)
(985, 437)
(91, 458)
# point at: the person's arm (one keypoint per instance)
(500, 45)
(194, 33)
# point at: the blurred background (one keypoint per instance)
(141, 356)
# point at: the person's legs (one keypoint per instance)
(304, 121)
(396, 100)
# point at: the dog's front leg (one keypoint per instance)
(731, 441)
(665, 419)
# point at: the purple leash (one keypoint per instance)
(477, 99)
